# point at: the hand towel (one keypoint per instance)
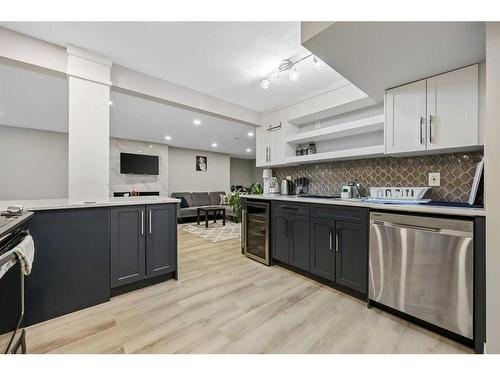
(25, 252)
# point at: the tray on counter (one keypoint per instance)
(395, 201)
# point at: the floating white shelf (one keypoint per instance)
(353, 153)
(347, 129)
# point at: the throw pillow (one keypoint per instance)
(224, 199)
(184, 203)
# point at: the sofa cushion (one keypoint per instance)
(187, 196)
(184, 203)
(200, 199)
(215, 197)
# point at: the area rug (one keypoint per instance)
(215, 232)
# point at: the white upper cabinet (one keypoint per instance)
(452, 109)
(270, 142)
(405, 118)
(262, 142)
(438, 113)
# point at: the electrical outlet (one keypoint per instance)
(317, 124)
(435, 179)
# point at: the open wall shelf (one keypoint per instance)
(353, 153)
(347, 129)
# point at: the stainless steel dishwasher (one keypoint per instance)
(423, 266)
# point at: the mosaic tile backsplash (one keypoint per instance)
(457, 173)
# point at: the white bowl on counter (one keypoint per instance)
(403, 193)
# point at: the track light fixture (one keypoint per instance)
(287, 65)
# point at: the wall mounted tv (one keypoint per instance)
(139, 164)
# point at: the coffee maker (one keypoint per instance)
(267, 174)
(302, 186)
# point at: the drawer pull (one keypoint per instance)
(289, 208)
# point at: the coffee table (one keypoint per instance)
(207, 211)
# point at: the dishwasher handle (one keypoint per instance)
(422, 228)
(404, 226)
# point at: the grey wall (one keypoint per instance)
(33, 164)
(243, 172)
(182, 175)
(123, 182)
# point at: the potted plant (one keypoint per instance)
(235, 199)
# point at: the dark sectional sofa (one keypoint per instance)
(199, 199)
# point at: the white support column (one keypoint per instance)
(492, 182)
(88, 156)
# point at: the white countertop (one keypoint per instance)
(59, 204)
(438, 210)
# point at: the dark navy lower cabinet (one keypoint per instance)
(290, 236)
(351, 255)
(71, 266)
(161, 239)
(280, 237)
(331, 242)
(300, 255)
(143, 242)
(322, 248)
(128, 244)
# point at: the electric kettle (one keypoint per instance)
(287, 187)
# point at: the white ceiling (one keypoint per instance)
(136, 118)
(223, 59)
(37, 100)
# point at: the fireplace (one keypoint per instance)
(135, 193)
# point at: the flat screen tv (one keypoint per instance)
(139, 164)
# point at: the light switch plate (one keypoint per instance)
(435, 179)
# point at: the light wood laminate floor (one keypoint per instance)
(226, 303)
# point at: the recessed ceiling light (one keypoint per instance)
(265, 84)
(110, 102)
(248, 150)
(168, 138)
(197, 122)
(139, 151)
(150, 146)
(250, 134)
(214, 144)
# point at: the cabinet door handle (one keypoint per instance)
(142, 222)
(289, 208)
(337, 240)
(421, 130)
(244, 228)
(331, 239)
(150, 222)
(430, 128)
